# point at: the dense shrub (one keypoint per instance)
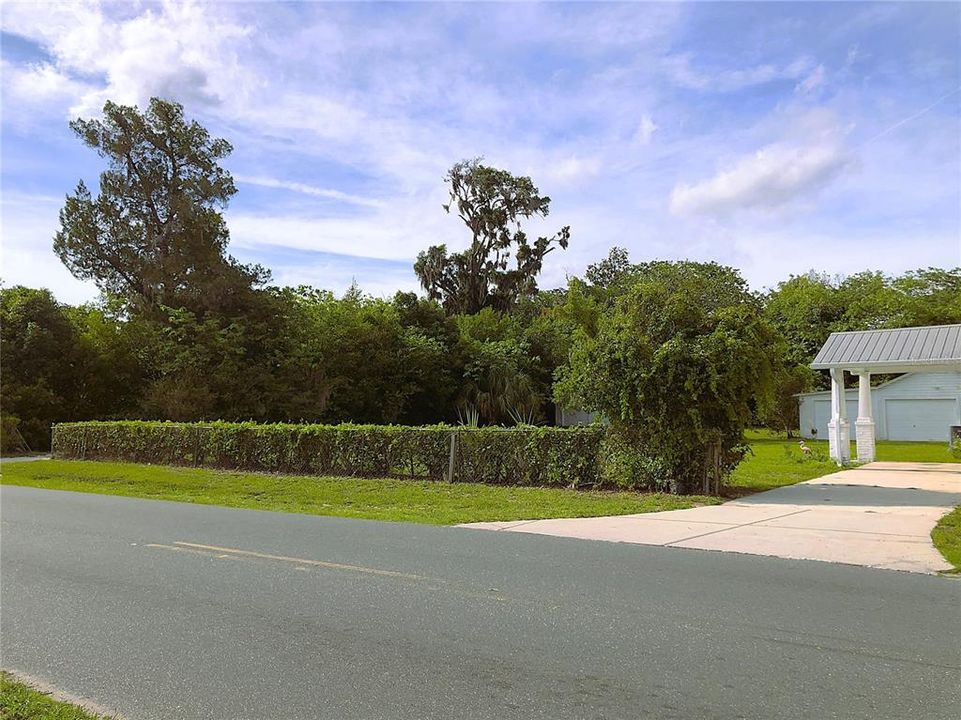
(494, 455)
(624, 465)
(678, 363)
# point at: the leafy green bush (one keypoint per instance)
(624, 465)
(507, 456)
(678, 364)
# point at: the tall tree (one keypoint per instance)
(154, 234)
(63, 363)
(41, 357)
(806, 309)
(611, 272)
(932, 295)
(492, 203)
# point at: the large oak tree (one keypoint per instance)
(492, 203)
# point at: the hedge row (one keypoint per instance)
(500, 456)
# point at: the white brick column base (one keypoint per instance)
(864, 430)
(845, 441)
(839, 441)
(833, 441)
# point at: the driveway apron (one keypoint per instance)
(878, 515)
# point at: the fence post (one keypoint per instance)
(450, 463)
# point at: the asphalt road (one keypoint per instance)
(146, 607)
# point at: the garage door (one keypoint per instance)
(920, 419)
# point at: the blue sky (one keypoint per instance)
(774, 137)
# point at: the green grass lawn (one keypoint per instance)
(775, 461)
(399, 500)
(947, 538)
(21, 702)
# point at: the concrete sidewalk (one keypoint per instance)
(879, 515)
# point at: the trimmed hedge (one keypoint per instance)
(545, 456)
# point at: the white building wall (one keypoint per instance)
(569, 418)
(815, 408)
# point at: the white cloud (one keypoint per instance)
(681, 71)
(396, 231)
(769, 178)
(176, 50)
(32, 91)
(812, 82)
(572, 169)
(26, 257)
(645, 130)
(37, 81)
(307, 189)
(853, 56)
(766, 258)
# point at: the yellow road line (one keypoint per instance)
(299, 561)
(190, 550)
(299, 564)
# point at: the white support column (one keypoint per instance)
(839, 433)
(834, 425)
(864, 425)
(845, 425)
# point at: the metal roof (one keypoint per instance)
(905, 348)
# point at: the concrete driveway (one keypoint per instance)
(878, 515)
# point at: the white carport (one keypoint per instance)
(901, 350)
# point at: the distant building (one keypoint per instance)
(569, 418)
(909, 408)
(915, 406)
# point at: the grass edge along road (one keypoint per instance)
(394, 500)
(21, 701)
(946, 537)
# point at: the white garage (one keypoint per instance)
(929, 404)
(922, 404)
(915, 406)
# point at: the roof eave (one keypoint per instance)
(892, 366)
